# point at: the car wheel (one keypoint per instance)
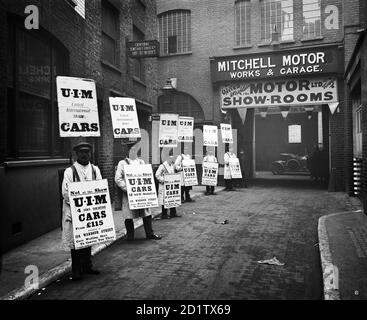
(276, 169)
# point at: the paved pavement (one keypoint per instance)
(50, 257)
(201, 258)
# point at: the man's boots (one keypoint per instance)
(147, 221)
(129, 224)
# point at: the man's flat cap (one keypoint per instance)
(130, 141)
(83, 146)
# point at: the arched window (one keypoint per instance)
(180, 103)
(174, 32)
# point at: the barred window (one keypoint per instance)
(243, 22)
(276, 16)
(311, 19)
(174, 30)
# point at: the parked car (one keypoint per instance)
(289, 163)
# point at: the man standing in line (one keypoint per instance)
(130, 158)
(179, 168)
(210, 157)
(167, 167)
(227, 172)
(244, 168)
(81, 170)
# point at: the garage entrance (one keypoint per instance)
(281, 144)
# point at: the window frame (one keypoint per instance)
(241, 22)
(315, 35)
(55, 145)
(299, 131)
(279, 21)
(105, 34)
(182, 20)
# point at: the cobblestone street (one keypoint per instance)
(201, 258)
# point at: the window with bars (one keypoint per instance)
(110, 34)
(139, 67)
(243, 22)
(174, 29)
(311, 19)
(276, 17)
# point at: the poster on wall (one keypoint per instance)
(210, 136)
(210, 174)
(235, 168)
(91, 212)
(168, 130)
(226, 131)
(140, 185)
(186, 129)
(291, 92)
(78, 110)
(189, 170)
(172, 191)
(124, 117)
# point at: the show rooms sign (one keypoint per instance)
(279, 93)
(309, 61)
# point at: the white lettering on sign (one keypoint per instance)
(278, 93)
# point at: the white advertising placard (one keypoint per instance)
(210, 136)
(168, 130)
(124, 116)
(189, 170)
(227, 135)
(186, 129)
(91, 213)
(235, 168)
(210, 174)
(141, 190)
(291, 92)
(78, 110)
(172, 191)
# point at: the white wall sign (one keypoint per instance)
(210, 136)
(141, 190)
(78, 110)
(189, 170)
(91, 213)
(186, 129)
(124, 116)
(210, 174)
(172, 191)
(279, 93)
(168, 130)
(226, 131)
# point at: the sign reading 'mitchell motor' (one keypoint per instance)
(309, 61)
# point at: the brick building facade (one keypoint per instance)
(84, 39)
(222, 31)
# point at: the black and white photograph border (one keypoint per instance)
(101, 99)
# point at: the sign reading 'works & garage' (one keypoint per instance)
(279, 93)
(277, 64)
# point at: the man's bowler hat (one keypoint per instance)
(83, 146)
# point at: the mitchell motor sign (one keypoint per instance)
(277, 64)
(279, 93)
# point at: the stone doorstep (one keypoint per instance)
(64, 268)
